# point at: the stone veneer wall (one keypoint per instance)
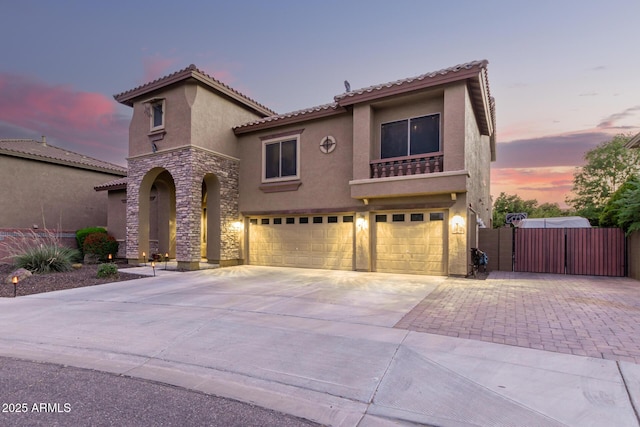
(188, 166)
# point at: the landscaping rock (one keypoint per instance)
(21, 273)
(76, 266)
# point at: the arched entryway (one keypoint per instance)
(157, 214)
(210, 228)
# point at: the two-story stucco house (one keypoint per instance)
(389, 178)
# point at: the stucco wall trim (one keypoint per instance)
(410, 177)
(182, 147)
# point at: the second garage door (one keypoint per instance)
(303, 241)
(412, 242)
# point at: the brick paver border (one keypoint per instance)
(582, 315)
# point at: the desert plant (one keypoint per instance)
(107, 270)
(101, 245)
(82, 234)
(46, 258)
(39, 251)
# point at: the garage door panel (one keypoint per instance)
(319, 245)
(415, 247)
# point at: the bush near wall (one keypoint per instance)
(82, 234)
(101, 245)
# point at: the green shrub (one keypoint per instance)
(107, 270)
(46, 258)
(84, 232)
(100, 244)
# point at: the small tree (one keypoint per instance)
(507, 203)
(628, 205)
(607, 167)
(610, 213)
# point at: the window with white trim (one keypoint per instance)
(418, 135)
(281, 159)
(157, 114)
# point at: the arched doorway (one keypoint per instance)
(157, 214)
(210, 229)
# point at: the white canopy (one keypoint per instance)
(558, 222)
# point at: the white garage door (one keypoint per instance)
(411, 242)
(304, 241)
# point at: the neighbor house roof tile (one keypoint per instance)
(37, 150)
(116, 184)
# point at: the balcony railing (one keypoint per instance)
(408, 165)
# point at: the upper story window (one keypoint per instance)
(281, 159)
(408, 137)
(157, 114)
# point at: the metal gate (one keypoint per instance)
(588, 251)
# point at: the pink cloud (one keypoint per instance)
(545, 184)
(156, 66)
(85, 122)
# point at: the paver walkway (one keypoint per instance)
(581, 315)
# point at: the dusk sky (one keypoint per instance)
(565, 74)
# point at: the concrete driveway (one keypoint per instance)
(315, 344)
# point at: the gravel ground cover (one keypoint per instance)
(38, 283)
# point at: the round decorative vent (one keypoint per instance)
(328, 144)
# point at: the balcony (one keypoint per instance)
(407, 165)
(417, 175)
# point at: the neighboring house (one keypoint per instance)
(46, 186)
(389, 178)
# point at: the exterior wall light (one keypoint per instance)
(362, 224)
(237, 226)
(457, 224)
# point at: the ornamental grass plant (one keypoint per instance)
(40, 252)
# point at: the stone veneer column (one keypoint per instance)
(227, 171)
(134, 178)
(188, 166)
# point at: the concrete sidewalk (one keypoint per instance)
(315, 344)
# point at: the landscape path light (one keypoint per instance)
(166, 257)
(144, 258)
(153, 265)
(15, 280)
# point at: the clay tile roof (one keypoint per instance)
(116, 184)
(454, 73)
(37, 150)
(474, 72)
(191, 71)
(278, 119)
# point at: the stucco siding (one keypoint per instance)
(49, 195)
(477, 161)
(213, 118)
(177, 121)
(324, 177)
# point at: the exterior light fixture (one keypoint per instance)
(457, 224)
(110, 257)
(166, 258)
(153, 266)
(362, 224)
(15, 280)
(237, 226)
(144, 258)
